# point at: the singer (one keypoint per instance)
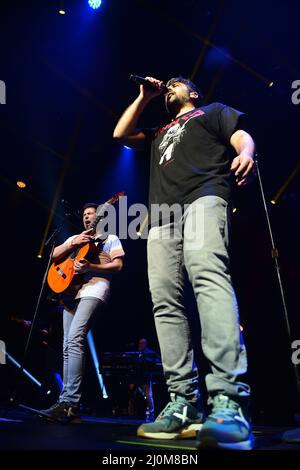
(86, 303)
(193, 165)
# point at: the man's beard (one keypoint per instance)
(174, 106)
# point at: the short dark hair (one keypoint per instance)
(89, 204)
(190, 85)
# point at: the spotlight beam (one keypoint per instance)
(286, 183)
(91, 343)
(139, 233)
(208, 38)
(18, 365)
(61, 180)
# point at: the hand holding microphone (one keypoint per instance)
(150, 87)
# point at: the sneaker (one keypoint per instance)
(178, 420)
(226, 427)
(62, 412)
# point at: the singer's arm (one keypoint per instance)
(126, 130)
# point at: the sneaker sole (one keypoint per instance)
(189, 432)
(210, 443)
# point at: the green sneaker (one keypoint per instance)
(226, 427)
(178, 420)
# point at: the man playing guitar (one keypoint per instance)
(91, 295)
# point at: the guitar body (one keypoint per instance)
(61, 273)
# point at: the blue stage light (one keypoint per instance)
(94, 355)
(59, 381)
(95, 4)
(127, 148)
(17, 364)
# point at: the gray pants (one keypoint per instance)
(202, 249)
(76, 326)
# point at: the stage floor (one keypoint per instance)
(24, 435)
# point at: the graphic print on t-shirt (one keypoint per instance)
(172, 138)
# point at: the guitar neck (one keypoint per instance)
(100, 215)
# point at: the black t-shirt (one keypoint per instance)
(191, 156)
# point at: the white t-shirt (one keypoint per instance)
(98, 284)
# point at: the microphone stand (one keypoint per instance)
(275, 257)
(52, 242)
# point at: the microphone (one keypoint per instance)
(144, 81)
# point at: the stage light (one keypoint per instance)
(142, 226)
(18, 365)
(126, 147)
(270, 84)
(62, 10)
(94, 4)
(21, 184)
(282, 190)
(92, 347)
(241, 328)
(59, 381)
(39, 255)
(234, 210)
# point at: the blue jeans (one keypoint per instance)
(200, 245)
(76, 326)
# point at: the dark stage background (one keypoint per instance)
(66, 84)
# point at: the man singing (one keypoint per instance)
(192, 166)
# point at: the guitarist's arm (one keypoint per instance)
(83, 265)
(69, 245)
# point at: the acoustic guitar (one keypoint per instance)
(61, 274)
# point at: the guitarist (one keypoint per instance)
(90, 300)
